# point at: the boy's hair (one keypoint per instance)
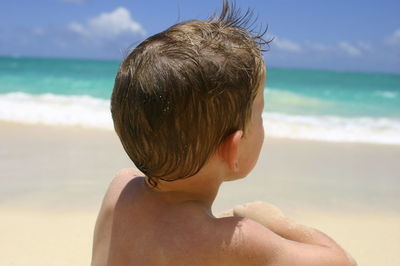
(180, 92)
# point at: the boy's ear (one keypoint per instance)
(229, 150)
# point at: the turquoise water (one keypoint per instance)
(57, 76)
(334, 93)
(299, 103)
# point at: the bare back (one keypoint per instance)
(135, 227)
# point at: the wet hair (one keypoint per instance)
(180, 92)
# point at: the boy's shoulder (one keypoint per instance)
(103, 227)
(120, 182)
(250, 243)
(257, 245)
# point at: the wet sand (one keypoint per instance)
(52, 180)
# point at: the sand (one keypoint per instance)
(52, 180)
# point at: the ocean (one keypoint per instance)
(300, 104)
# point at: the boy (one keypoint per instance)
(187, 106)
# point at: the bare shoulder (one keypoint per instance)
(103, 227)
(254, 244)
(249, 242)
(123, 177)
(119, 183)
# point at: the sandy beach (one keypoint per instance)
(52, 180)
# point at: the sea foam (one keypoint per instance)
(51, 109)
(333, 128)
(90, 112)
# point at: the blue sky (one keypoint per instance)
(339, 35)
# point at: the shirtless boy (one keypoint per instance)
(187, 106)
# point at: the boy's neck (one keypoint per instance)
(201, 188)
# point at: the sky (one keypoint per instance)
(342, 35)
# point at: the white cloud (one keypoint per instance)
(350, 49)
(287, 45)
(108, 25)
(394, 38)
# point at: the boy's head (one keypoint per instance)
(179, 93)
